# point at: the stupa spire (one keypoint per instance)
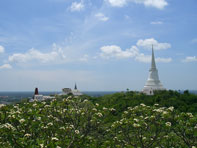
(153, 65)
(75, 86)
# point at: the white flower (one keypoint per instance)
(129, 108)
(99, 114)
(190, 115)
(27, 135)
(34, 105)
(22, 120)
(94, 109)
(165, 112)
(85, 100)
(45, 127)
(168, 124)
(50, 124)
(135, 119)
(55, 138)
(193, 146)
(156, 104)
(2, 105)
(112, 109)
(77, 131)
(136, 125)
(69, 97)
(125, 112)
(142, 104)
(171, 108)
(165, 136)
(41, 145)
(158, 110)
(62, 128)
(115, 138)
(146, 118)
(8, 126)
(144, 138)
(104, 108)
(71, 126)
(97, 104)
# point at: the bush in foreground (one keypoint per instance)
(76, 122)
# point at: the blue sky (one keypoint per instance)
(99, 44)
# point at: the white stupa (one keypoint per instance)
(153, 82)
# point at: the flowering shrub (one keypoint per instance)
(64, 123)
(77, 122)
(145, 126)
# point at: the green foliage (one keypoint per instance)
(65, 123)
(120, 120)
(145, 126)
(185, 102)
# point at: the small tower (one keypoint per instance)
(76, 92)
(153, 82)
(36, 91)
(75, 86)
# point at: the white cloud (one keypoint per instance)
(143, 58)
(2, 49)
(156, 23)
(117, 52)
(117, 3)
(6, 66)
(190, 59)
(101, 17)
(33, 54)
(159, 4)
(77, 6)
(110, 49)
(114, 51)
(36, 55)
(147, 44)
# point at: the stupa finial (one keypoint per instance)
(75, 86)
(153, 65)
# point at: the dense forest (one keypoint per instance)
(121, 120)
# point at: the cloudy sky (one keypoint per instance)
(99, 44)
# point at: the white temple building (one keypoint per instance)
(67, 91)
(39, 97)
(153, 82)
